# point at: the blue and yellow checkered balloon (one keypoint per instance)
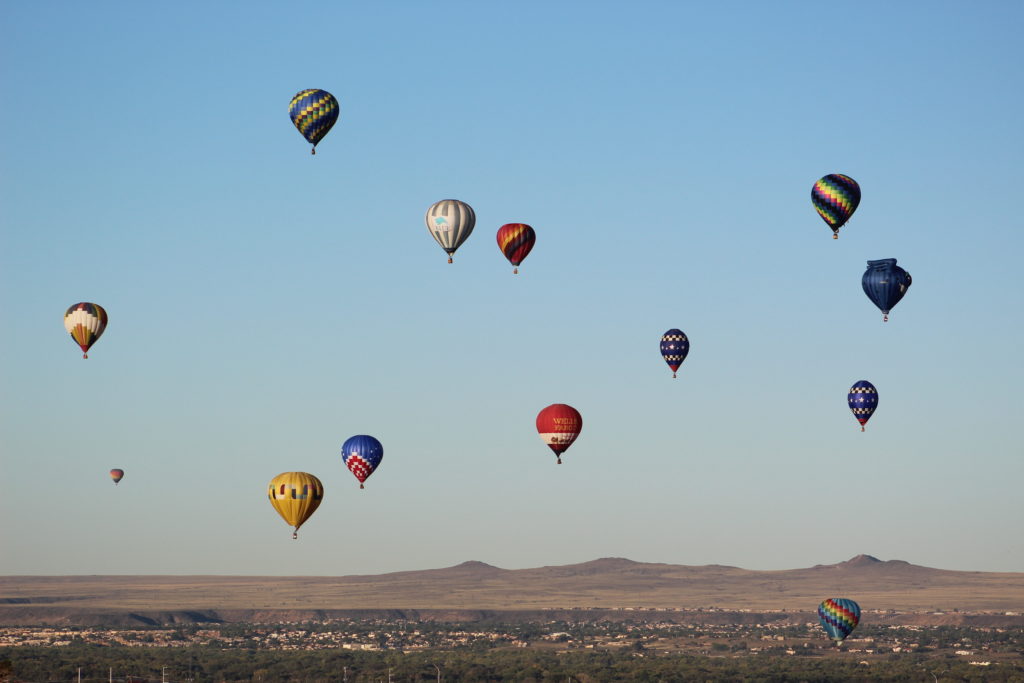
(314, 112)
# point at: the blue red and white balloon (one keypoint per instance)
(674, 347)
(362, 455)
(862, 399)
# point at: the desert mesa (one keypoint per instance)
(608, 583)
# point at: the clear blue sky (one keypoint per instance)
(265, 304)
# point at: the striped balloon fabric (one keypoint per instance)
(85, 323)
(314, 112)
(839, 616)
(515, 241)
(835, 198)
(450, 222)
(862, 399)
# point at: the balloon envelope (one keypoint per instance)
(885, 283)
(674, 347)
(450, 222)
(116, 475)
(839, 616)
(85, 323)
(362, 454)
(314, 112)
(862, 399)
(835, 198)
(558, 426)
(515, 241)
(295, 496)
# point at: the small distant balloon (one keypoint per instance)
(885, 283)
(361, 455)
(295, 496)
(674, 347)
(85, 323)
(835, 198)
(559, 425)
(314, 112)
(515, 241)
(450, 222)
(839, 616)
(116, 475)
(862, 399)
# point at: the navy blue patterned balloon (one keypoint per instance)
(862, 399)
(885, 283)
(674, 347)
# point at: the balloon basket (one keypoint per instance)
(361, 486)
(85, 355)
(313, 151)
(835, 235)
(559, 461)
(673, 375)
(885, 318)
(295, 535)
(862, 428)
(515, 271)
(449, 259)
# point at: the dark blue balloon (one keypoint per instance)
(362, 454)
(863, 400)
(885, 283)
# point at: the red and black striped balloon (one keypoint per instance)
(515, 241)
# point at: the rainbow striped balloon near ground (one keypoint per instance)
(314, 112)
(839, 616)
(835, 198)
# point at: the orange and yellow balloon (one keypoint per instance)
(295, 496)
(117, 475)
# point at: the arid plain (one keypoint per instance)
(610, 583)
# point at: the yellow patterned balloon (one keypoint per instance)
(295, 496)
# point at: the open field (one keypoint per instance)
(606, 583)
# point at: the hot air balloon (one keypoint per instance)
(835, 197)
(885, 283)
(558, 426)
(295, 496)
(116, 475)
(863, 399)
(362, 454)
(314, 112)
(674, 347)
(839, 616)
(450, 222)
(515, 241)
(85, 323)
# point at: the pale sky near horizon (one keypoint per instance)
(265, 305)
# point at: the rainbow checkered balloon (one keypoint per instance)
(835, 198)
(839, 616)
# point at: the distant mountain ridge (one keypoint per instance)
(607, 583)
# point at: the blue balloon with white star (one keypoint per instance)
(362, 454)
(863, 400)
